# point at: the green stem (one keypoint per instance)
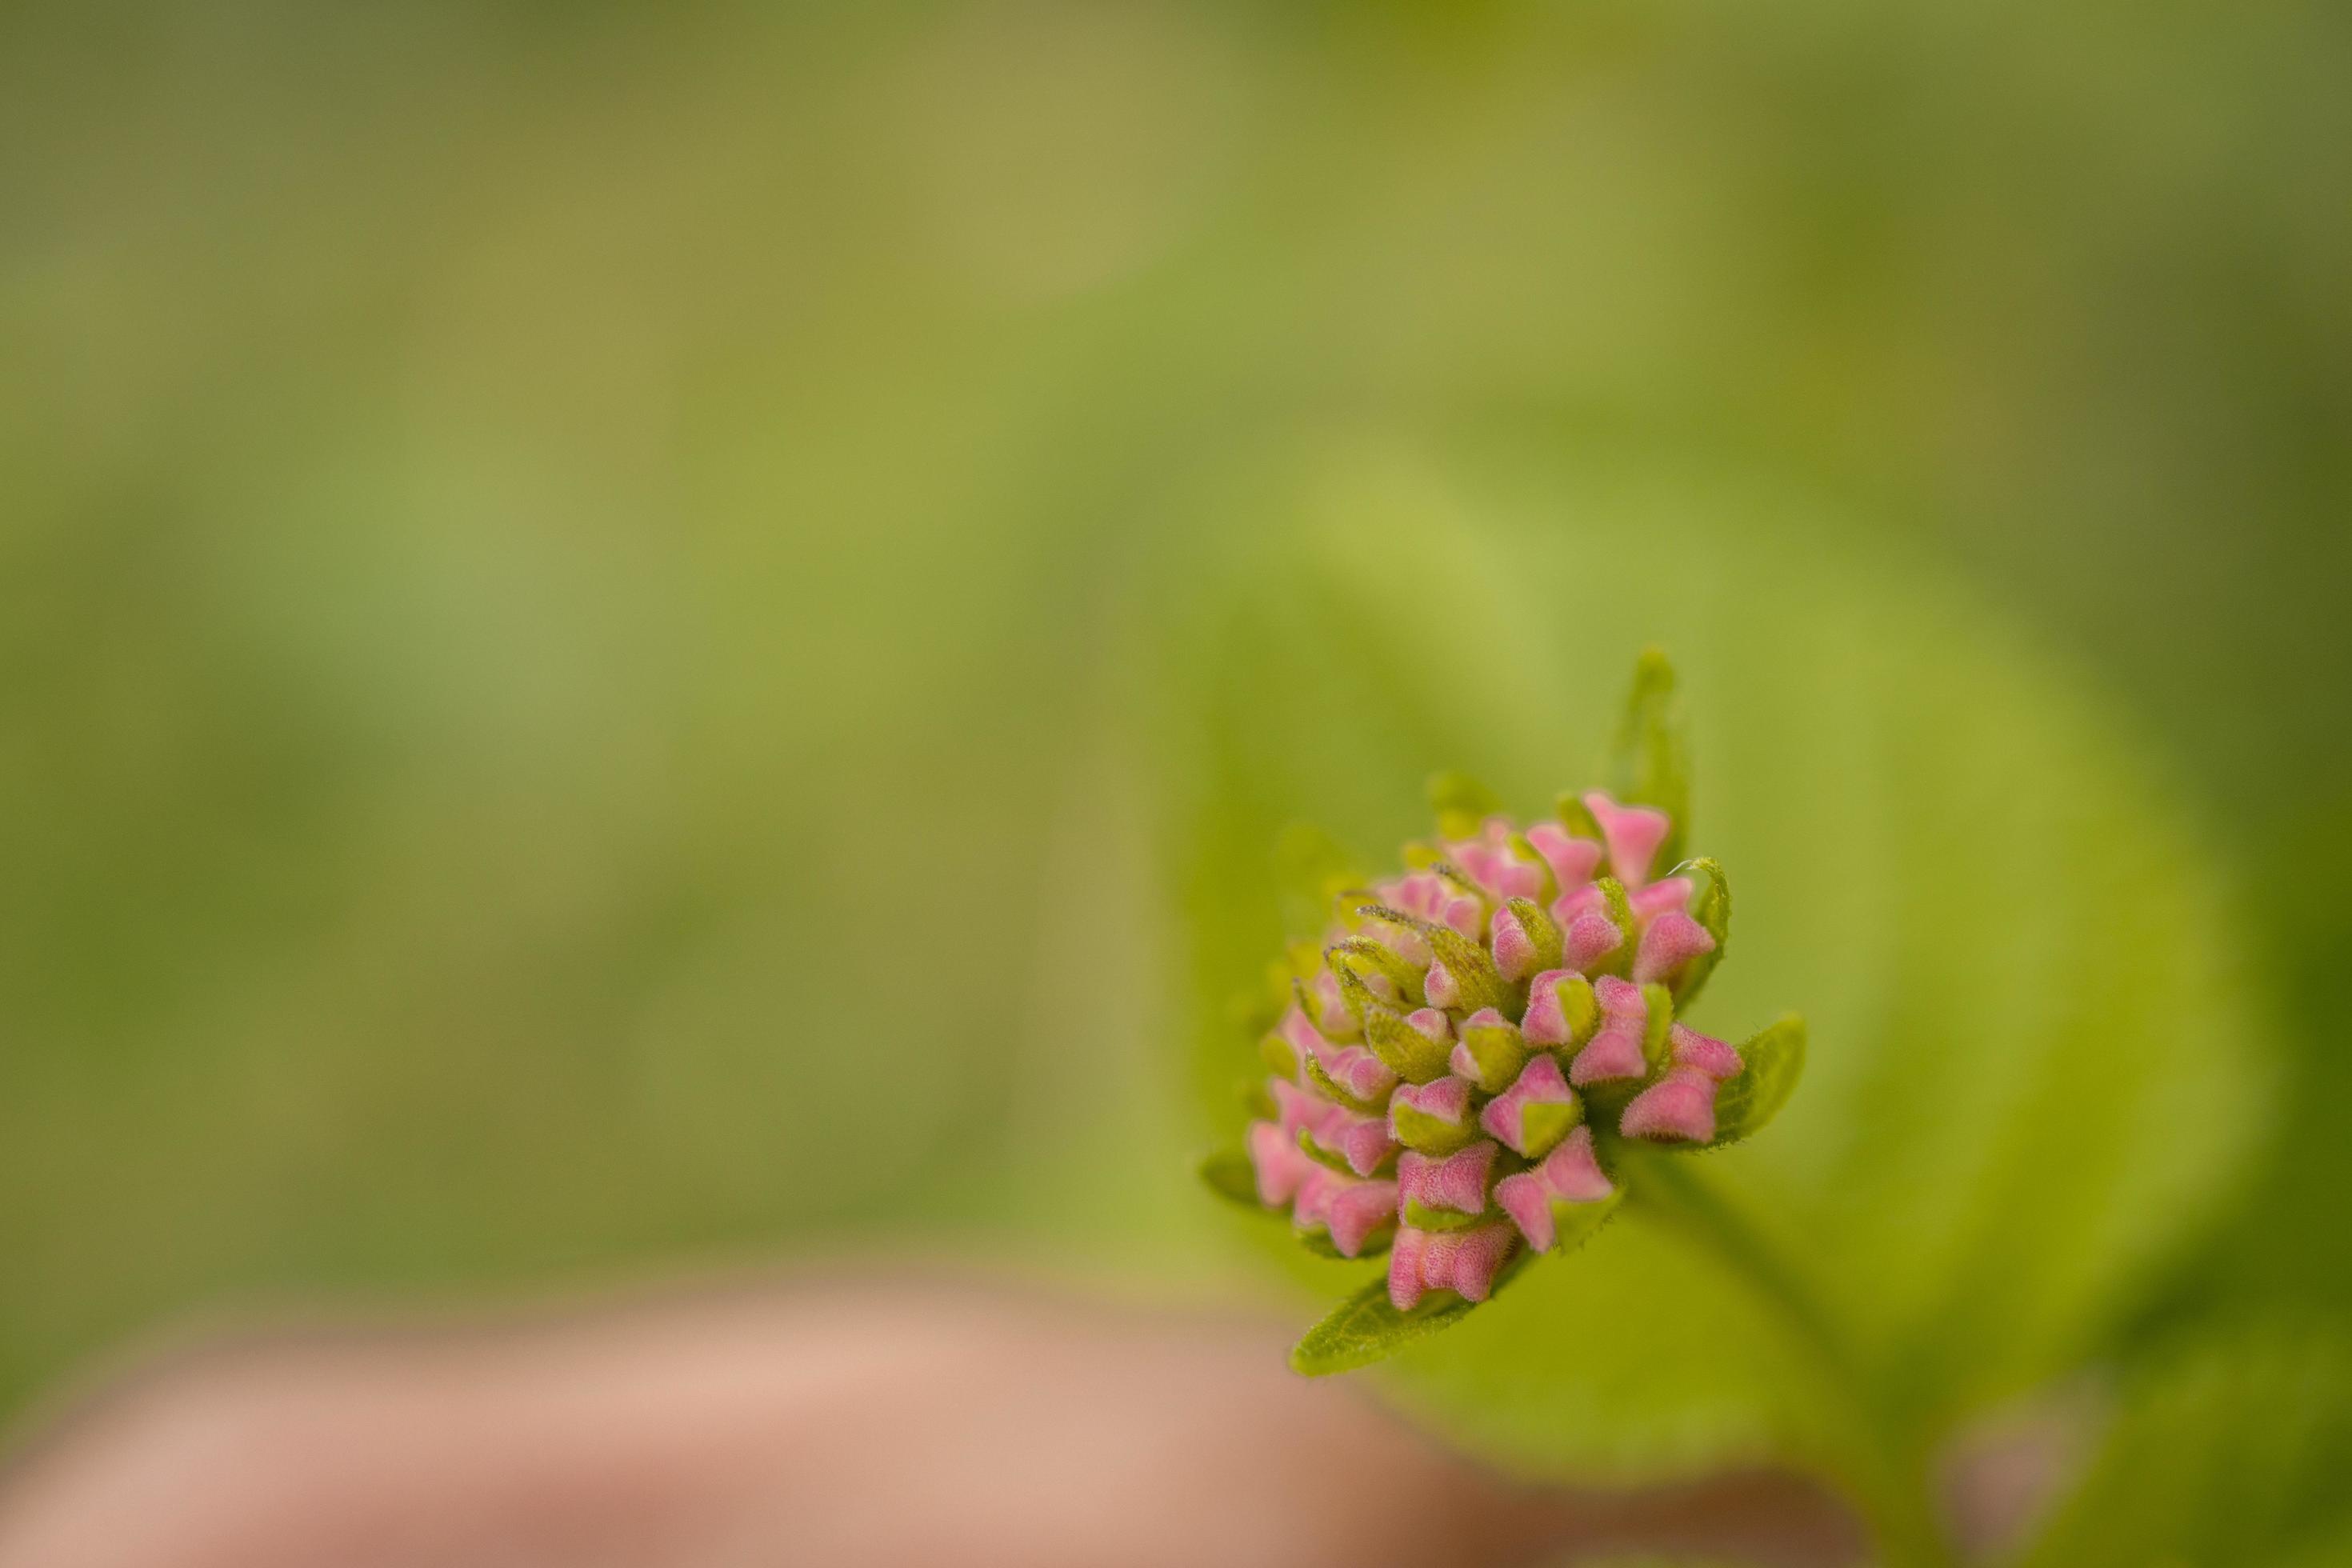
(1888, 1461)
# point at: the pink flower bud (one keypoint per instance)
(1401, 940)
(1590, 938)
(1649, 902)
(1357, 1070)
(1462, 1262)
(1615, 1051)
(1573, 859)
(1516, 952)
(1362, 1141)
(1283, 1167)
(1350, 1212)
(1680, 1106)
(1457, 1182)
(1569, 1174)
(1433, 1118)
(1672, 939)
(1708, 1055)
(1327, 1009)
(1536, 1112)
(1561, 1009)
(1633, 834)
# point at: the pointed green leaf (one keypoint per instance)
(1573, 1224)
(1771, 1061)
(1367, 1327)
(1649, 762)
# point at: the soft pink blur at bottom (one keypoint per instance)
(847, 1424)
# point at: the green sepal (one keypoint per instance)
(1421, 1217)
(1711, 907)
(1580, 1009)
(1366, 1327)
(1319, 1243)
(1229, 1174)
(1461, 803)
(1772, 1061)
(1425, 1134)
(1328, 1159)
(1657, 1026)
(1481, 984)
(1330, 1090)
(1618, 960)
(1499, 1051)
(1403, 1049)
(1550, 942)
(1649, 762)
(1455, 878)
(1573, 1224)
(1350, 955)
(1281, 1058)
(1542, 1127)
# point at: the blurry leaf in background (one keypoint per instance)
(2230, 1451)
(2035, 1063)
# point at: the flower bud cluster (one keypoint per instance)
(1472, 1041)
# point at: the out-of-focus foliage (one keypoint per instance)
(529, 533)
(2227, 1452)
(2034, 1061)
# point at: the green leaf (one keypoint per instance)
(1573, 1224)
(1649, 760)
(1976, 1194)
(1772, 1061)
(2233, 1450)
(1367, 1327)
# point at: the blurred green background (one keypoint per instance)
(574, 582)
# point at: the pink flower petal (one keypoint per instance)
(1633, 834)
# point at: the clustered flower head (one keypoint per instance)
(1472, 1049)
(1464, 1059)
(1465, 1030)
